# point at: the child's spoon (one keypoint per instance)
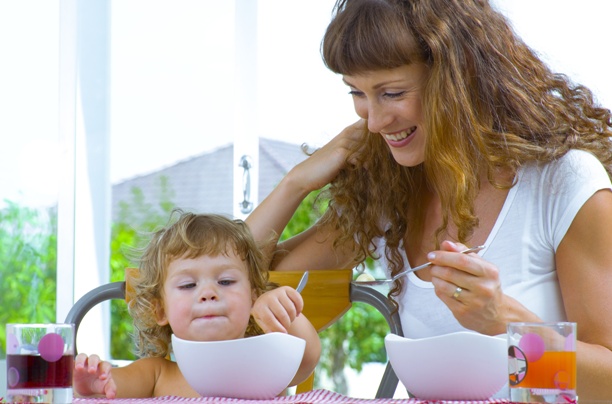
(302, 282)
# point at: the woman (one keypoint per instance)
(465, 138)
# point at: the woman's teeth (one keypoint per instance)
(401, 135)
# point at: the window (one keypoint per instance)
(30, 162)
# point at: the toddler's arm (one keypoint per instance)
(280, 310)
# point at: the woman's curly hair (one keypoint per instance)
(190, 235)
(489, 103)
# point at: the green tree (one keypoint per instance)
(28, 262)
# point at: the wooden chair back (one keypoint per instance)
(326, 295)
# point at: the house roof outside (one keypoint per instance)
(204, 183)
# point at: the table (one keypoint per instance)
(311, 397)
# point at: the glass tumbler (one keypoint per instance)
(39, 362)
(542, 362)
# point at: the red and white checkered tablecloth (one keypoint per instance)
(311, 397)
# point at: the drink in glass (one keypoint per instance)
(39, 362)
(542, 362)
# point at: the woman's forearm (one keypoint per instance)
(594, 372)
(270, 218)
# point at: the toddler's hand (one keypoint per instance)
(276, 309)
(92, 376)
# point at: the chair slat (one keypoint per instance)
(326, 295)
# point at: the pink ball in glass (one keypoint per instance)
(51, 347)
(533, 346)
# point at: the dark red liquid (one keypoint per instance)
(29, 371)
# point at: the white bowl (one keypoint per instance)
(457, 366)
(259, 367)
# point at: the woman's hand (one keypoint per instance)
(92, 376)
(276, 309)
(470, 287)
(270, 218)
(324, 164)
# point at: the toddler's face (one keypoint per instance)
(208, 298)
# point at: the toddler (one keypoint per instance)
(199, 278)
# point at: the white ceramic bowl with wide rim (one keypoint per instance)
(259, 367)
(457, 366)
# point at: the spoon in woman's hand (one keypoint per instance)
(367, 280)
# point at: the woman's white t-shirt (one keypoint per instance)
(533, 221)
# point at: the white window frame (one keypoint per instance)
(84, 197)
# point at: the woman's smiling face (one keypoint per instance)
(391, 102)
(208, 298)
